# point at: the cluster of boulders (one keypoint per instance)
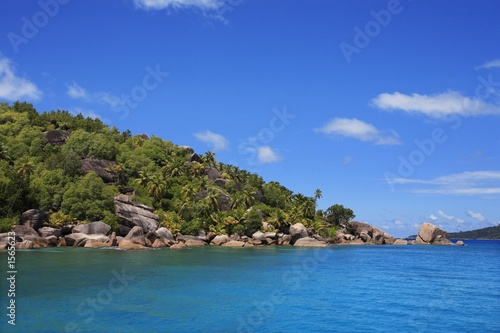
(139, 229)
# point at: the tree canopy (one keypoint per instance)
(42, 158)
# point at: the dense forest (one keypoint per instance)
(73, 167)
(485, 233)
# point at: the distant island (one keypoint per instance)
(485, 233)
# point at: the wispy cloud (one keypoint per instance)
(465, 183)
(360, 130)
(266, 154)
(86, 113)
(490, 64)
(214, 140)
(448, 217)
(75, 91)
(13, 87)
(433, 217)
(476, 216)
(436, 106)
(179, 4)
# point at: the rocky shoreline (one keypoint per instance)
(139, 229)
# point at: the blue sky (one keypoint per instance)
(392, 108)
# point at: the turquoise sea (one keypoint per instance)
(263, 289)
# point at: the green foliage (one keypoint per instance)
(35, 174)
(7, 223)
(58, 219)
(88, 198)
(339, 215)
(253, 222)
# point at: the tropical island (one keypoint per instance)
(67, 180)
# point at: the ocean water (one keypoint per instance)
(265, 289)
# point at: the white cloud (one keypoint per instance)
(476, 216)
(435, 106)
(443, 214)
(359, 130)
(266, 154)
(490, 64)
(450, 218)
(465, 183)
(13, 87)
(177, 4)
(433, 217)
(216, 141)
(87, 113)
(75, 91)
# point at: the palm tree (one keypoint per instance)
(143, 179)
(238, 201)
(4, 154)
(156, 186)
(209, 158)
(318, 194)
(309, 207)
(249, 196)
(26, 169)
(277, 218)
(212, 199)
(173, 168)
(197, 169)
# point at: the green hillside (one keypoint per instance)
(72, 167)
(485, 233)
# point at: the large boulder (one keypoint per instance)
(223, 200)
(309, 242)
(164, 233)
(220, 240)
(234, 244)
(259, 235)
(298, 230)
(76, 239)
(101, 167)
(27, 244)
(79, 239)
(135, 236)
(56, 137)
(34, 218)
(48, 231)
(428, 233)
(92, 228)
(25, 232)
(132, 213)
(368, 233)
(212, 173)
